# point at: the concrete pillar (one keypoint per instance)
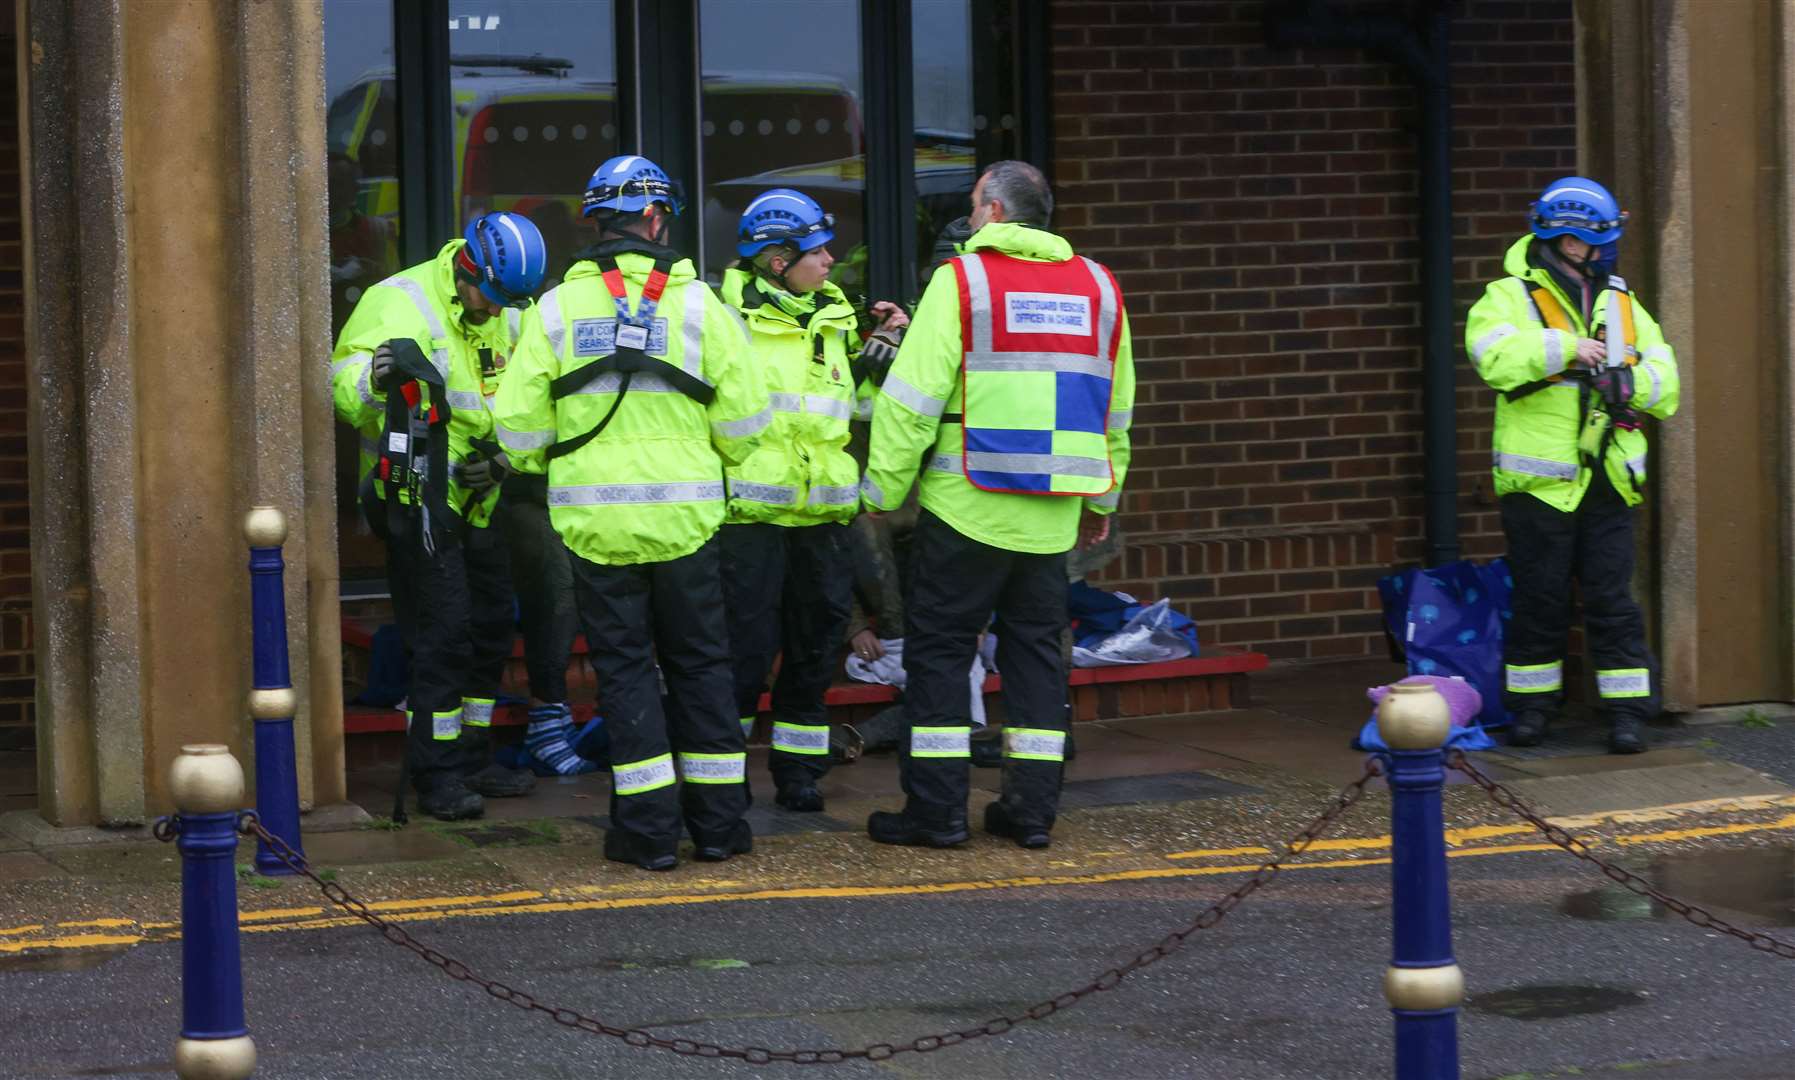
(1693, 130)
(178, 315)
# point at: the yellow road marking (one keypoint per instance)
(1670, 835)
(74, 941)
(1457, 837)
(34, 927)
(100, 924)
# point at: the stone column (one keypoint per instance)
(178, 314)
(1684, 105)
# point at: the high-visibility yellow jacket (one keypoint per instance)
(801, 474)
(916, 425)
(649, 488)
(420, 303)
(1523, 332)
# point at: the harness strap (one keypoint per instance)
(405, 439)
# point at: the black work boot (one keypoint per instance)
(937, 830)
(1627, 736)
(497, 782)
(799, 795)
(738, 841)
(627, 847)
(1529, 729)
(999, 822)
(447, 798)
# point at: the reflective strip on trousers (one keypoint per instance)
(1038, 464)
(1034, 744)
(801, 738)
(831, 495)
(1534, 678)
(1488, 341)
(1624, 683)
(941, 742)
(636, 494)
(524, 440)
(445, 726)
(747, 726)
(1532, 466)
(913, 399)
(638, 777)
(713, 768)
(770, 494)
(477, 712)
(413, 289)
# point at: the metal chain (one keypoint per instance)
(1109, 980)
(1701, 917)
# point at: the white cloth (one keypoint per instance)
(888, 670)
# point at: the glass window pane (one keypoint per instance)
(781, 108)
(534, 91)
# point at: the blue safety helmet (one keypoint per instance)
(784, 217)
(505, 257)
(627, 184)
(1580, 207)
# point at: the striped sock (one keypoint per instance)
(551, 726)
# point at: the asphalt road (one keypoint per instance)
(1286, 987)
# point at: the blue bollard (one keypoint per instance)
(214, 1045)
(1423, 984)
(272, 702)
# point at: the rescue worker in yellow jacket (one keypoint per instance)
(787, 570)
(631, 390)
(416, 365)
(1017, 414)
(1578, 362)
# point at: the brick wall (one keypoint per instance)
(1260, 209)
(16, 658)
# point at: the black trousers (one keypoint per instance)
(454, 610)
(788, 591)
(544, 582)
(671, 611)
(1547, 549)
(955, 585)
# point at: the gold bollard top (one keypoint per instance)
(1413, 716)
(206, 779)
(265, 526)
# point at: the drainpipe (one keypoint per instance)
(1421, 50)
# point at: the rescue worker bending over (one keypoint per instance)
(1578, 361)
(1019, 421)
(631, 384)
(416, 362)
(787, 567)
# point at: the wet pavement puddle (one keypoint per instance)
(62, 959)
(1551, 1001)
(1755, 882)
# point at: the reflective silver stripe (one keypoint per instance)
(524, 440)
(445, 725)
(1533, 311)
(1625, 682)
(1636, 466)
(1532, 466)
(413, 289)
(514, 323)
(1657, 352)
(1075, 363)
(645, 382)
(714, 768)
(941, 742)
(783, 402)
(869, 492)
(1034, 744)
(363, 388)
(477, 711)
(1657, 384)
(643, 776)
(1119, 419)
(1615, 281)
(771, 494)
(830, 495)
(631, 494)
(746, 426)
(948, 463)
(439, 359)
(978, 301)
(818, 405)
(1555, 358)
(1488, 341)
(1534, 677)
(1612, 316)
(913, 399)
(1041, 464)
(465, 399)
(1109, 500)
(800, 738)
(740, 323)
(553, 327)
(1106, 313)
(692, 359)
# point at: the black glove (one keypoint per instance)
(879, 351)
(1615, 384)
(482, 474)
(382, 364)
